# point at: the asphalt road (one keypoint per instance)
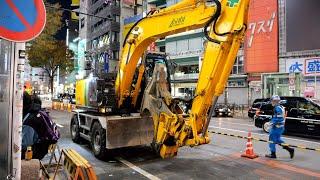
(218, 160)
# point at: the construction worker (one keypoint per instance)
(277, 128)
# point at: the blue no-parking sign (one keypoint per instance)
(21, 20)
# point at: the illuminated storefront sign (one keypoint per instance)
(306, 66)
(261, 45)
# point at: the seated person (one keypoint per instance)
(37, 131)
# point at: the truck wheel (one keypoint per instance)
(75, 129)
(266, 126)
(98, 141)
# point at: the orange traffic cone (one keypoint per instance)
(249, 150)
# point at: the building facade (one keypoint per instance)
(100, 40)
(99, 36)
(299, 50)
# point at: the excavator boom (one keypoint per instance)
(184, 16)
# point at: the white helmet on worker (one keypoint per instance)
(275, 98)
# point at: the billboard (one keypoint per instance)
(261, 45)
(306, 66)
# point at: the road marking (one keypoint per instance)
(59, 125)
(139, 170)
(235, 130)
(241, 124)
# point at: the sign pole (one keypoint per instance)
(18, 84)
(315, 86)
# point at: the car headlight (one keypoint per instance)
(105, 110)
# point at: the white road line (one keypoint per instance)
(241, 124)
(59, 125)
(235, 130)
(139, 170)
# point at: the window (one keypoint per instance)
(239, 83)
(115, 54)
(172, 2)
(238, 67)
(307, 107)
(189, 69)
(182, 46)
(115, 36)
(162, 48)
(117, 18)
(82, 22)
(171, 48)
(117, 3)
(195, 44)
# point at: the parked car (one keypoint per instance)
(303, 116)
(223, 110)
(256, 106)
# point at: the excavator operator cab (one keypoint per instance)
(153, 58)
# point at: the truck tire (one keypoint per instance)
(98, 141)
(75, 130)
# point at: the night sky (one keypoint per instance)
(61, 35)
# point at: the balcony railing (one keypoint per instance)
(179, 76)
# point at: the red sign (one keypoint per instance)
(21, 21)
(261, 46)
(152, 46)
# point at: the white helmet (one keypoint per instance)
(275, 98)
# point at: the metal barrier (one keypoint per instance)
(267, 141)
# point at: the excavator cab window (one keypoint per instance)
(151, 60)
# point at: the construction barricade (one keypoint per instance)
(60, 106)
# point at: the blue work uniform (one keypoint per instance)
(277, 127)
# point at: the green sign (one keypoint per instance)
(232, 3)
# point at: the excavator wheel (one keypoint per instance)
(75, 130)
(98, 142)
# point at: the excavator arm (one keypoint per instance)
(224, 25)
(184, 16)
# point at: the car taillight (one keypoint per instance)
(259, 112)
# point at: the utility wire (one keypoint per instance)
(75, 11)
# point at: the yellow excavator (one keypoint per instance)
(134, 106)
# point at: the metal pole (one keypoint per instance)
(18, 81)
(315, 86)
(58, 80)
(205, 128)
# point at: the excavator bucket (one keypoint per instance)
(128, 131)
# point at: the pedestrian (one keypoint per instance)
(277, 128)
(38, 129)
